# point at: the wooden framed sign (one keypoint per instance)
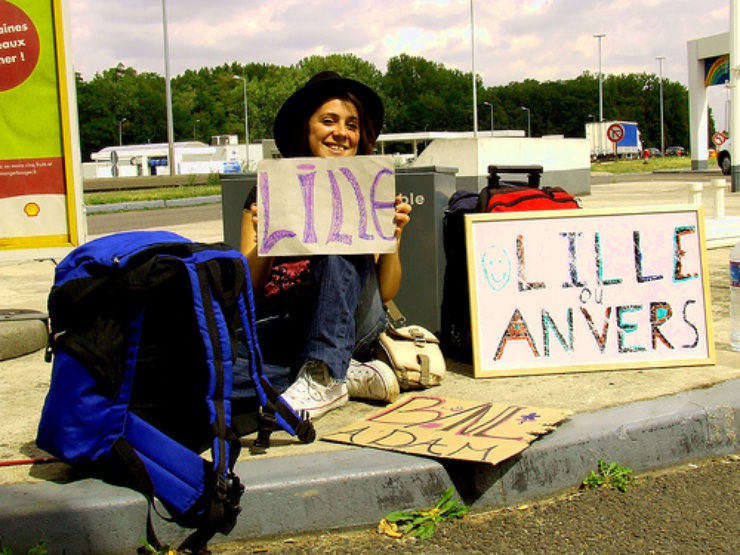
(580, 290)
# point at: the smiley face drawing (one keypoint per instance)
(496, 267)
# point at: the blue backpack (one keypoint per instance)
(144, 334)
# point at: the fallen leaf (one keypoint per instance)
(389, 529)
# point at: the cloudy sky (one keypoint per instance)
(514, 40)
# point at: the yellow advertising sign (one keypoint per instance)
(40, 189)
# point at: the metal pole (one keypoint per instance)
(168, 94)
(727, 107)
(662, 125)
(529, 121)
(491, 107)
(475, 88)
(120, 132)
(734, 94)
(601, 81)
(246, 119)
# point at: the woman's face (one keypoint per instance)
(334, 129)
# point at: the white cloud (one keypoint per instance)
(537, 39)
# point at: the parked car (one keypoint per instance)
(675, 151)
(654, 152)
(723, 158)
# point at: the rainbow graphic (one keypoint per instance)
(717, 70)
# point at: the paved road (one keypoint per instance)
(664, 175)
(101, 224)
(692, 509)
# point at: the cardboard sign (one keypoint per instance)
(452, 428)
(342, 205)
(577, 290)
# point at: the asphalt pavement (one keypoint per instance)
(644, 418)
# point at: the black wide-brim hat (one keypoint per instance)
(323, 86)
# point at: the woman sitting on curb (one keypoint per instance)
(322, 316)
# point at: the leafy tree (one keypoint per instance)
(418, 95)
(423, 95)
(120, 96)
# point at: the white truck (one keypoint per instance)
(723, 158)
(603, 147)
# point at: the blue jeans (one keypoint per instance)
(340, 317)
(348, 314)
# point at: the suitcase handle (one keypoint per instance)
(534, 174)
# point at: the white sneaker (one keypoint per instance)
(315, 391)
(373, 380)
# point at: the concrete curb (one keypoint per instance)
(357, 487)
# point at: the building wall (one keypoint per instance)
(565, 162)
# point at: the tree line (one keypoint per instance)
(419, 95)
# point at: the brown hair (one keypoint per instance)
(368, 134)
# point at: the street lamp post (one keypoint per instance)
(601, 80)
(246, 119)
(472, 56)
(195, 127)
(168, 94)
(662, 125)
(491, 107)
(529, 121)
(727, 107)
(120, 131)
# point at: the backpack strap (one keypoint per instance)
(214, 299)
(127, 454)
(181, 479)
(275, 410)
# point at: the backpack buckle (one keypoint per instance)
(305, 431)
(267, 423)
(228, 492)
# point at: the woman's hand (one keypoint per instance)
(389, 264)
(259, 267)
(402, 217)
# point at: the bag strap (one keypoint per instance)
(274, 409)
(211, 289)
(133, 463)
(395, 318)
(425, 369)
(223, 502)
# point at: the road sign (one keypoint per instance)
(719, 139)
(615, 132)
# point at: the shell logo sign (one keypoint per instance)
(40, 187)
(32, 209)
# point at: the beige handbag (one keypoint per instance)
(412, 351)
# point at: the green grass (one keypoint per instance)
(160, 193)
(610, 476)
(653, 164)
(39, 549)
(422, 523)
